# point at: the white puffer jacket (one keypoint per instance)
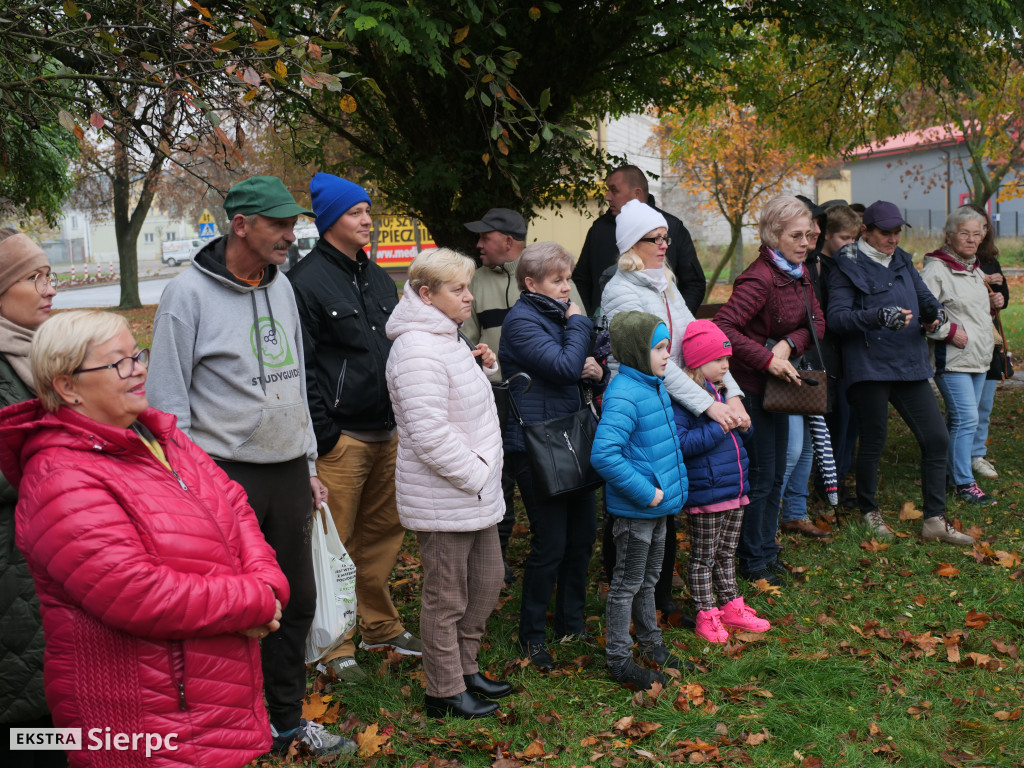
(448, 475)
(635, 292)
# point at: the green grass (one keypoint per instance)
(855, 671)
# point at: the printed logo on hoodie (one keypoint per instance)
(273, 341)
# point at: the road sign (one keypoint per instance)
(207, 217)
(206, 230)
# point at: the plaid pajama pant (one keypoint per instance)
(714, 537)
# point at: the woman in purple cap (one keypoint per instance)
(881, 308)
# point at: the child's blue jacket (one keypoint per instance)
(636, 448)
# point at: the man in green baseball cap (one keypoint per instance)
(227, 361)
(265, 195)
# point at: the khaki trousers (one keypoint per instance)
(462, 577)
(360, 480)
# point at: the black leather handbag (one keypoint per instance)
(559, 449)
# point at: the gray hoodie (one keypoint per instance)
(227, 361)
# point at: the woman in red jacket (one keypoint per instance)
(155, 582)
(766, 321)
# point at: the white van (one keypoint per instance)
(175, 252)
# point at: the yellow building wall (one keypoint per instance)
(836, 189)
(563, 225)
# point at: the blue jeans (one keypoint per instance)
(767, 452)
(962, 393)
(988, 395)
(799, 460)
(562, 533)
(639, 549)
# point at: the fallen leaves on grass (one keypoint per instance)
(764, 586)
(634, 729)
(907, 512)
(1004, 715)
(976, 619)
(946, 570)
(373, 741)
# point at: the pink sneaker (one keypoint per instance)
(709, 626)
(738, 615)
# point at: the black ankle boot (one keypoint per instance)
(481, 685)
(465, 705)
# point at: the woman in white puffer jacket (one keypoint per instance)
(448, 476)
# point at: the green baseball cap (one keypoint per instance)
(265, 195)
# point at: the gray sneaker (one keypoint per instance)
(405, 644)
(347, 670)
(940, 529)
(873, 520)
(317, 739)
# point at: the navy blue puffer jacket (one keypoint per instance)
(716, 461)
(537, 338)
(858, 288)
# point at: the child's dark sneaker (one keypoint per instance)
(634, 676)
(660, 656)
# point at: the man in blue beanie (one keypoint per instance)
(344, 302)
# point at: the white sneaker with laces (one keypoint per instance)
(983, 468)
(319, 740)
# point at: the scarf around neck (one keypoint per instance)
(795, 271)
(15, 344)
(882, 258)
(968, 263)
(658, 277)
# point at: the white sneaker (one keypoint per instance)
(983, 468)
(940, 529)
(873, 520)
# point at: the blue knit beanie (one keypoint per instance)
(332, 196)
(660, 335)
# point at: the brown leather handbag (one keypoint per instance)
(810, 397)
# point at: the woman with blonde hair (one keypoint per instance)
(448, 477)
(27, 287)
(644, 283)
(155, 581)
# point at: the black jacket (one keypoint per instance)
(600, 252)
(344, 307)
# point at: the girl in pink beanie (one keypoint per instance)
(716, 463)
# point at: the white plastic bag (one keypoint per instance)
(335, 575)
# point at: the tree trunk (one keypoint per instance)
(736, 232)
(733, 254)
(126, 229)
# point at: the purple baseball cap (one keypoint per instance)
(883, 215)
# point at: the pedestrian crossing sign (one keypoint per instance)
(206, 229)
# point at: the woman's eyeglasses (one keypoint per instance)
(41, 279)
(657, 240)
(125, 367)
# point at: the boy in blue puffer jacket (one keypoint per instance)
(716, 465)
(637, 452)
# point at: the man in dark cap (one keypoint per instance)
(227, 362)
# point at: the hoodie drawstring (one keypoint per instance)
(259, 338)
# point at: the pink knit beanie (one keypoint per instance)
(703, 342)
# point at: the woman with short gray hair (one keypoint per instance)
(547, 336)
(961, 348)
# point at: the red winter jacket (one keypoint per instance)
(766, 304)
(145, 579)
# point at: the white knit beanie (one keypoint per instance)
(635, 220)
